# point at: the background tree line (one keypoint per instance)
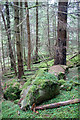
(31, 30)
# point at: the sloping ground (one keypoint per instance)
(10, 75)
(10, 110)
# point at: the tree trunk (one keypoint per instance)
(3, 52)
(36, 30)
(24, 55)
(54, 105)
(48, 28)
(21, 27)
(22, 32)
(29, 39)
(78, 8)
(9, 44)
(18, 44)
(60, 50)
(9, 33)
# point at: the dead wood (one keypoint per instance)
(74, 56)
(54, 105)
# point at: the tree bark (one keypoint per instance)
(9, 33)
(78, 8)
(36, 30)
(54, 105)
(21, 27)
(60, 49)
(9, 44)
(18, 43)
(29, 39)
(48, 29)
(3, 52)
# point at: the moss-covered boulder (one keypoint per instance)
(44, 87)
(12, 90)
(12, 93)
(59, 71)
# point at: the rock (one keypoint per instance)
(12, 93)
(59, 71)
(12, 90)
(44, 87)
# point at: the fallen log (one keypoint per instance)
(54, 105)
(74, 55)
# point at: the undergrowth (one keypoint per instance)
(10, 110)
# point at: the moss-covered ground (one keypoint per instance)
(11, 110)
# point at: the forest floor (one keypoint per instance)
(10, 110)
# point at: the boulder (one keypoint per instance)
(11, 90)
(44, 87)
(59, 71)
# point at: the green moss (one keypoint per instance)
(61, 82)
(71, 81)
(40, 77)
(43, 65)
(9, 109)
(67, 86)
(61, 76)
(12, 93)
(12, 82)
(46, 64)
(29, 80)
(44, 86)
(16, 101)
(51, 62)
(9, 73)
(76, 83)
(74, 61)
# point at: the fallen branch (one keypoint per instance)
(74, 55)
(54, 105)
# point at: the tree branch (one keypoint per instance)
(54, 105)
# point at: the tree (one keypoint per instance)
(8, 27)
(48, 28)
(78, 8)
(36, 30)
(29, 39)
(3, 52)
(21, 27)
(9, 39)
(18, 42)
(60, 49)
